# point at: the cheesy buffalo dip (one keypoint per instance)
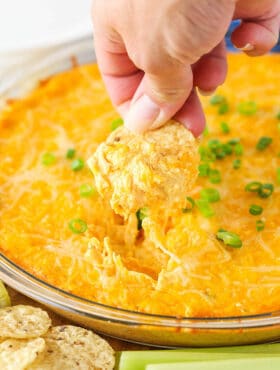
(216, 255)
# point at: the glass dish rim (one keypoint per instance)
(11, 272)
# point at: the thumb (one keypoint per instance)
(159, 96)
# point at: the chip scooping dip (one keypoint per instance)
(155, 169)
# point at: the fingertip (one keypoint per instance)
(191, 115)
(253, 38)
(210, 71)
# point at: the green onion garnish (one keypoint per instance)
(253, 186)
(77, 164)
(206, 154)
(70, 154)
(141, 214)
(264, 142)
(260, 225)
(203, 169)
(192, 203)
(205, 208)
(278, 115)
(223, 108)
(217, 99)
(86, 190)
(238, 149)
(266, 190)
(205, 131)
(77, 225)
(229, 238)
(247, 108)
(236, 164)
(234, 141)
(225, 127)
(255, 210)
(48, 159)
(278, 175)
(215, 176)
(210, 194)
(116, 123)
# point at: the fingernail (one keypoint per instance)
(247, 47)
(206, 93)
(142, 115)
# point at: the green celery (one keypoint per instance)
(138, 360)
(265, 363)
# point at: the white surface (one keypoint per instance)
(26, 25)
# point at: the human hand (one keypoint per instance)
(152, 54)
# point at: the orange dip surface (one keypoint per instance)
(176, 266)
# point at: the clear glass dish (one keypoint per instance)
(128, 325)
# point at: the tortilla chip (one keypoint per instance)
(70, 347)
(23, 322)
(17, 354)
(156, 169)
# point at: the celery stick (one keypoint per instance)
(4, 296)
(137, 360)
(268, 363)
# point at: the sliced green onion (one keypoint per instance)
(215, 176)
(278, 175)
(253, 186)
(278, 115)
(206, 131)
(217, 99)
(266, 190)
(236, 164)
(210, 194)
(238, 149)
(116, 123)
(203, 169)
(77, 164)
(255, 210)
(192, 203)
(141, 214)
(204, 207)
(70, 154)
(77, 226)
(247, 108)
(260, 225)
(264, 142)
(214, 144)
(229, 238)
(234, 141)
(86, 190)
(48, 159)
(223, 108)
(206, 154)
(224, 127)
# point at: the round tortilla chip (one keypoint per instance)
(17, 354)
(71, 347)
(23, 322)
(156, 169)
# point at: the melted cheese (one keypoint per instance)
(175, 266)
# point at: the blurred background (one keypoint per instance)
(31, 28)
